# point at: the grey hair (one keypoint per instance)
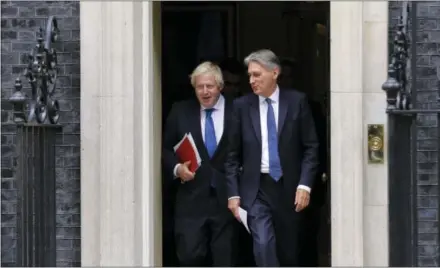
(264, 57)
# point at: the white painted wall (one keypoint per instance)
(120, 168)
(359, 190)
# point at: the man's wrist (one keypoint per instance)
(175, 171)
(234, 197)
(305, 188)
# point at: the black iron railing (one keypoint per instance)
(403, 111)
(36, 120)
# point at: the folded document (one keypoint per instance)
(186, 150)
(243, 218)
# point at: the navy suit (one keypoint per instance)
(271, 214)
(203, 223)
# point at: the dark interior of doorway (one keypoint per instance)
(197, 31)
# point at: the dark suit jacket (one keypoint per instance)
(297, 146)
(183, 118)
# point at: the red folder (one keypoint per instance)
(186, 150)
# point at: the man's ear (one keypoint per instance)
(276, 73)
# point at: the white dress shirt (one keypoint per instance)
(275, 97)
(218, 116)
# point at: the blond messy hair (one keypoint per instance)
(209, 68)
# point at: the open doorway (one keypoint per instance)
(298, 32)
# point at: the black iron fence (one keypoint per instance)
(403, 111)
(37, 124)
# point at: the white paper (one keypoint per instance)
(243, 217)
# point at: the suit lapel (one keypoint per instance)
(226, 117)
(254, 113)
(196, 130)
(282, 111)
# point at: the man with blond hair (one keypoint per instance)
(203, 223)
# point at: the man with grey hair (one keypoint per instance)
(273, 141)
(203, 223)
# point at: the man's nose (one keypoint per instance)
(251, 80)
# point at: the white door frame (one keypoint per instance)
(120, 139)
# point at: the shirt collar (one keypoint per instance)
(274, 97)
(218, 105)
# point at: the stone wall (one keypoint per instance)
(20, 20)
(427, 41)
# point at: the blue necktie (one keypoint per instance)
(274, 159)
(210, 140)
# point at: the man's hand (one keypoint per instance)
(302, 199)
(233, 205)
(184, 173)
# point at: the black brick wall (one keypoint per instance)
(427, 42)
(427, 74)
(20, 20)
